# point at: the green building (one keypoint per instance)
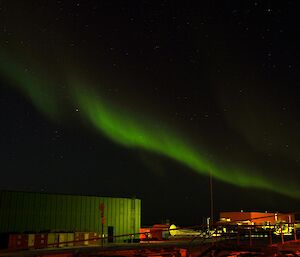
(22, 212)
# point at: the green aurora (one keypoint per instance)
(32, 84)
(129, 130)
(126, 130)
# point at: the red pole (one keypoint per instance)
(101, 207)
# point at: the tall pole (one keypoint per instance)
(211, 198)
(101, 207)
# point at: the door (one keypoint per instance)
(110, 232)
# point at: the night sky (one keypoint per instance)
(145, 99)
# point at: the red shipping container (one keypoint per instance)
(18, 241)
(40, 241)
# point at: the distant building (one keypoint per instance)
(22, 212)
(256, 218)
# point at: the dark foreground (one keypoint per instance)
(178, 248)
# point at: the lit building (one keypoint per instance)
(256, 218)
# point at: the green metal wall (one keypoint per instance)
(36, 212)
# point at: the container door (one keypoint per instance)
(86, 238)
(62, 239)
(70, 239)
(110, 232)
(53, 240)
(31, 240)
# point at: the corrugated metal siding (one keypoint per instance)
(36, 212)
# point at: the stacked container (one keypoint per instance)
(66, 239)
(53, 239)
(94, 238)
(18, 241)
(40, 241)
(79, 238)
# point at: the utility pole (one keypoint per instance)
(101, 207)
(211, 199)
